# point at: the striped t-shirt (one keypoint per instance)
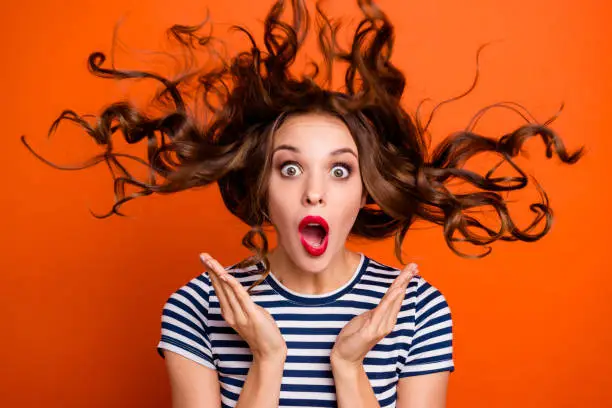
(420, 343)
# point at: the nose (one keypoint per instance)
(312, 198)
(313, 193)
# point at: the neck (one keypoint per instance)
(338, 272)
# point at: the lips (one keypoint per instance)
(314, 232)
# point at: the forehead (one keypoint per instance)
(314, 131)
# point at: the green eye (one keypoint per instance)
(290, 170)
(341, 170)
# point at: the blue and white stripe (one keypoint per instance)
(420, 343)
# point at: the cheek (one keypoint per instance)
(348, 202)
(275, 207)
(353, 192)
(280, 199)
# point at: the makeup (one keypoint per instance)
(314, 233)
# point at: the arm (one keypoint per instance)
(258, 328)
(361, 334)
(192, 384)
(196, 386)
(425, 372)
(423, 391)
(353, 388)
(262, 386)
(187, 347)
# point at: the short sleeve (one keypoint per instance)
(184, 323)
(431, 349)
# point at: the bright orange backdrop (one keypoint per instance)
(81, 298)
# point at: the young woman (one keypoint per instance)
(310, 323)
(326, 324)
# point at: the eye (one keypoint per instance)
(290, 169)
(341, 170)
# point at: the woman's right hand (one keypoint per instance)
(252, 322)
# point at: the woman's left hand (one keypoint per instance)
(364, 331)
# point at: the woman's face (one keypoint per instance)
(315, 172)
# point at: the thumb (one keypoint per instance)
(410, 271)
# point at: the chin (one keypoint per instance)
(312, 264)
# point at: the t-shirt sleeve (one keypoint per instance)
(184, 323)
(431, 349)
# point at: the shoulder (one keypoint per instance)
(191, 295)
(186, 315)
(197, 291)
(420, 291)
(247, 275)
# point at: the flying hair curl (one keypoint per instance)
(246, 98)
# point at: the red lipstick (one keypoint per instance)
(311, 227)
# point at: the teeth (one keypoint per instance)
(315, 225)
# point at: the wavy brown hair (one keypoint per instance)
(243, 99)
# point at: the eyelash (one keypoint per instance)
(347, 167)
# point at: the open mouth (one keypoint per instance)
(314, 234)
(314, 231)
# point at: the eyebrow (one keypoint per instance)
(334, 153)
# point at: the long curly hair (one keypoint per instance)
(243, 100)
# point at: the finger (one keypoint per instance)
(402, 282)
(402, 279)
(218, 274)
(384, 307)
(234, 304)
(385, 315)
(226, 310)
(406, 273)
(395, 304)
(393, 298)
(247, 304)
(232, 301)
(394, 308)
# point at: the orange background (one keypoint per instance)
(82, 297)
